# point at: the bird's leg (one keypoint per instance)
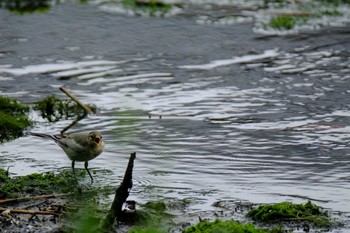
(73, 163)
(86, 164)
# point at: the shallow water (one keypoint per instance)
(243, 117)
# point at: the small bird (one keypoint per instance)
(80, 147)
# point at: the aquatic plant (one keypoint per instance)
(286, 211)
(38, 183)
(335, 2)
(26, 6)
(284, 22)
(150, 7)
(332, 12)
(224, 227)
(153, 218)
(13, 119)
(286, 17)
(54, 109)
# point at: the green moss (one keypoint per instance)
(287, 211)
(287, 22)
(153, 218)
(224, 227)
(283, 22)
(150, 7)
(335, 2)
(27, 6)
(276, 3)
(332, 12)
(38, 183)
(158, 206)
(147, 230)
(3, 176)
(13, 119)
(85, 219)
(49, 183)
(54, 109)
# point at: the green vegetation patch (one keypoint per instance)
(333, 12)
(150, 7)
(154, 217)
(286, 211)
(54, 109)
(287, 22)
(224, 227)
(283, 22)
(26, 6)
(49, 183)
(85, 219)
(335, 2)
(13, 119)
(287, 15)
(37, 184)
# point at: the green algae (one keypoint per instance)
(37, 183)
(154, 216)
(335, 2)
(54, 109)
(283, 22)
(13, 119)
(22, 7)
(151, 7)
(225, 227)
(287, 22)
(290, 212)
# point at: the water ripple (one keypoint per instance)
(258, 136)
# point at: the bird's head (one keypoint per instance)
(95, 137)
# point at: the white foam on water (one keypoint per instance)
(81, 71)
(56, 67)
(236, 60)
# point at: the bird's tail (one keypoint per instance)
(42, 135)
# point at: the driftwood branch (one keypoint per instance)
(21, 211)
(70, 95)
(33, 197)
(121, 194)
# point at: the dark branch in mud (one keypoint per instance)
(121, 194)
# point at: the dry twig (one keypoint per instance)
(21, 211)
(70, 95)
(33, 197)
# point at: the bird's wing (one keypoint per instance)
(71, 144)
(62, 142)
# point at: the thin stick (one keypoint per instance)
(33, 197)
(67, 206)
(294, 13)
(70, 95)
(20, 211)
